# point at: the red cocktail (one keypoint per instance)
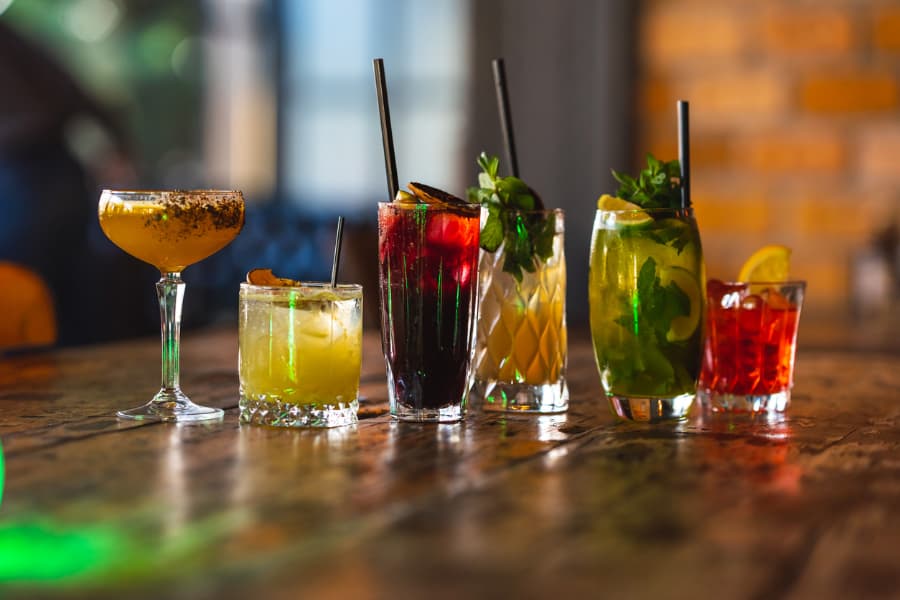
(751, 335)
(428, 255)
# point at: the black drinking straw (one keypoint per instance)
(505, 117)
(337, 251)
(387, 137)
(684, 151)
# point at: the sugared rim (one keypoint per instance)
(168, 192)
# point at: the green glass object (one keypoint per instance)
(646, 294)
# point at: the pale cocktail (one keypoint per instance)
(300, 354)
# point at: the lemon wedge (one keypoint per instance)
(769, 263)
(681, 328)
(631, 214)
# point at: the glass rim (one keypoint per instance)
(534, 211)
(309, 285)
(649, 211)
(789, 282)
(474, 208)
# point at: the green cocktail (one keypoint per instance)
(646, 304)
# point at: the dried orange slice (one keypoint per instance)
(432, 195)
(266, 277)
(769, 263)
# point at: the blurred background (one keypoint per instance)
(795, 110)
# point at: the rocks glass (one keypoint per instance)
(300, 354)
(748, 359)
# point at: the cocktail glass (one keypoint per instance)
(171, 230)
(300, 354)
(751, 336)
(428, 258)
(646, 307)
(520, 356)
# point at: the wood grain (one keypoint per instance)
(518, 506)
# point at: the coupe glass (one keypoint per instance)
(171, 230)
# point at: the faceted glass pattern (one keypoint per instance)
(520, 357)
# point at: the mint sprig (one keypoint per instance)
(648, 316)
(657, 186)
(527, 238)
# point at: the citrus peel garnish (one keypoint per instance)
(265, 277)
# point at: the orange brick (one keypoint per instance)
(707, 150)
(732, 94)
(886, 29)
(655, 95)
(850, 92)
(717, 214)
(802, 31)
(792, 152)
(836, 219)
(678, 35)
(879, 149)
(826, 280)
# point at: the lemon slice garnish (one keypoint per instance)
(630, 214)
(769, 263)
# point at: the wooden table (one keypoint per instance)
(516, 506)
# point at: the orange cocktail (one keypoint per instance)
(175, 230)
(171, 230)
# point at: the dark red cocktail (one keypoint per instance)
(751, 334)
(428, 255)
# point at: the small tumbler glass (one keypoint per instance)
(300, 354)
(748, 359)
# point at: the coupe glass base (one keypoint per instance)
(172, 405)
(446, 414)
(501, 396)
(744, 403)
(649, 409)
(257, 411)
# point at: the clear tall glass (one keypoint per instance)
(646, 304)
(520, 355)
(171, 230)
(428, 258)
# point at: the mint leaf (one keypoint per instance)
(543, 239)
(492, 231)
(657, 186)
(527, 238)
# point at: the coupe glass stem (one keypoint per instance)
(170, 291)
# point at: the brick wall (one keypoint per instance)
(795, 116)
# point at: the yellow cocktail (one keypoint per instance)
(300, 354)
(171, 230)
